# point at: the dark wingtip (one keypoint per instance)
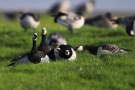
(11, 64)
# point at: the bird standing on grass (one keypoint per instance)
(102, 49)
(70, 20)
(29, 20)
(34, 56)
(128, 22)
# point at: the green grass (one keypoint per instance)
(87, 72)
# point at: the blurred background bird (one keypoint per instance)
(105, 20)
(86, 8)
(70, 20)
(29, 20)
(128, 22)
(60, 6)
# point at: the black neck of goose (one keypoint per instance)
(43, 43)
(129, 28)
(43, 39)
(34, 48)
(91, 49)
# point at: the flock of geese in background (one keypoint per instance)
(56, 48)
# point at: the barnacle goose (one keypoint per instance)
(65, 52)
(55, 39)
(29, 20)
(34, 56)
(86, 8)
(70, 20)
(128, 22)
(43, 45)
(102, 21)
(45, 48)
(101, 49)
(11, 15)
(60, 6)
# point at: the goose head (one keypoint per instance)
(44, 31)
(35, 36)
(79, 48)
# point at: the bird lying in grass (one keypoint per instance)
(65, 52)
(128, 22)
(34, 56)
(70, 20)
(102, 49)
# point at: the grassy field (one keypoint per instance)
(87, 72)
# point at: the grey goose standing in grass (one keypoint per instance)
(65, 52)
(56, 39)
(34, 56)
(29, 20)
(102, 49)
(70, 20)
(128, 22)
(102, 21)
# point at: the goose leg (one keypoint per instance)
(25, 29)
(70, 30)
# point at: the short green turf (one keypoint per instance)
(87, 72)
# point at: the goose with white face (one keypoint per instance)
(44, 31)
(79, 48)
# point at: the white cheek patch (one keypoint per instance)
(80, 48)
(73, 57)
(132, 32)
(44, 31)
